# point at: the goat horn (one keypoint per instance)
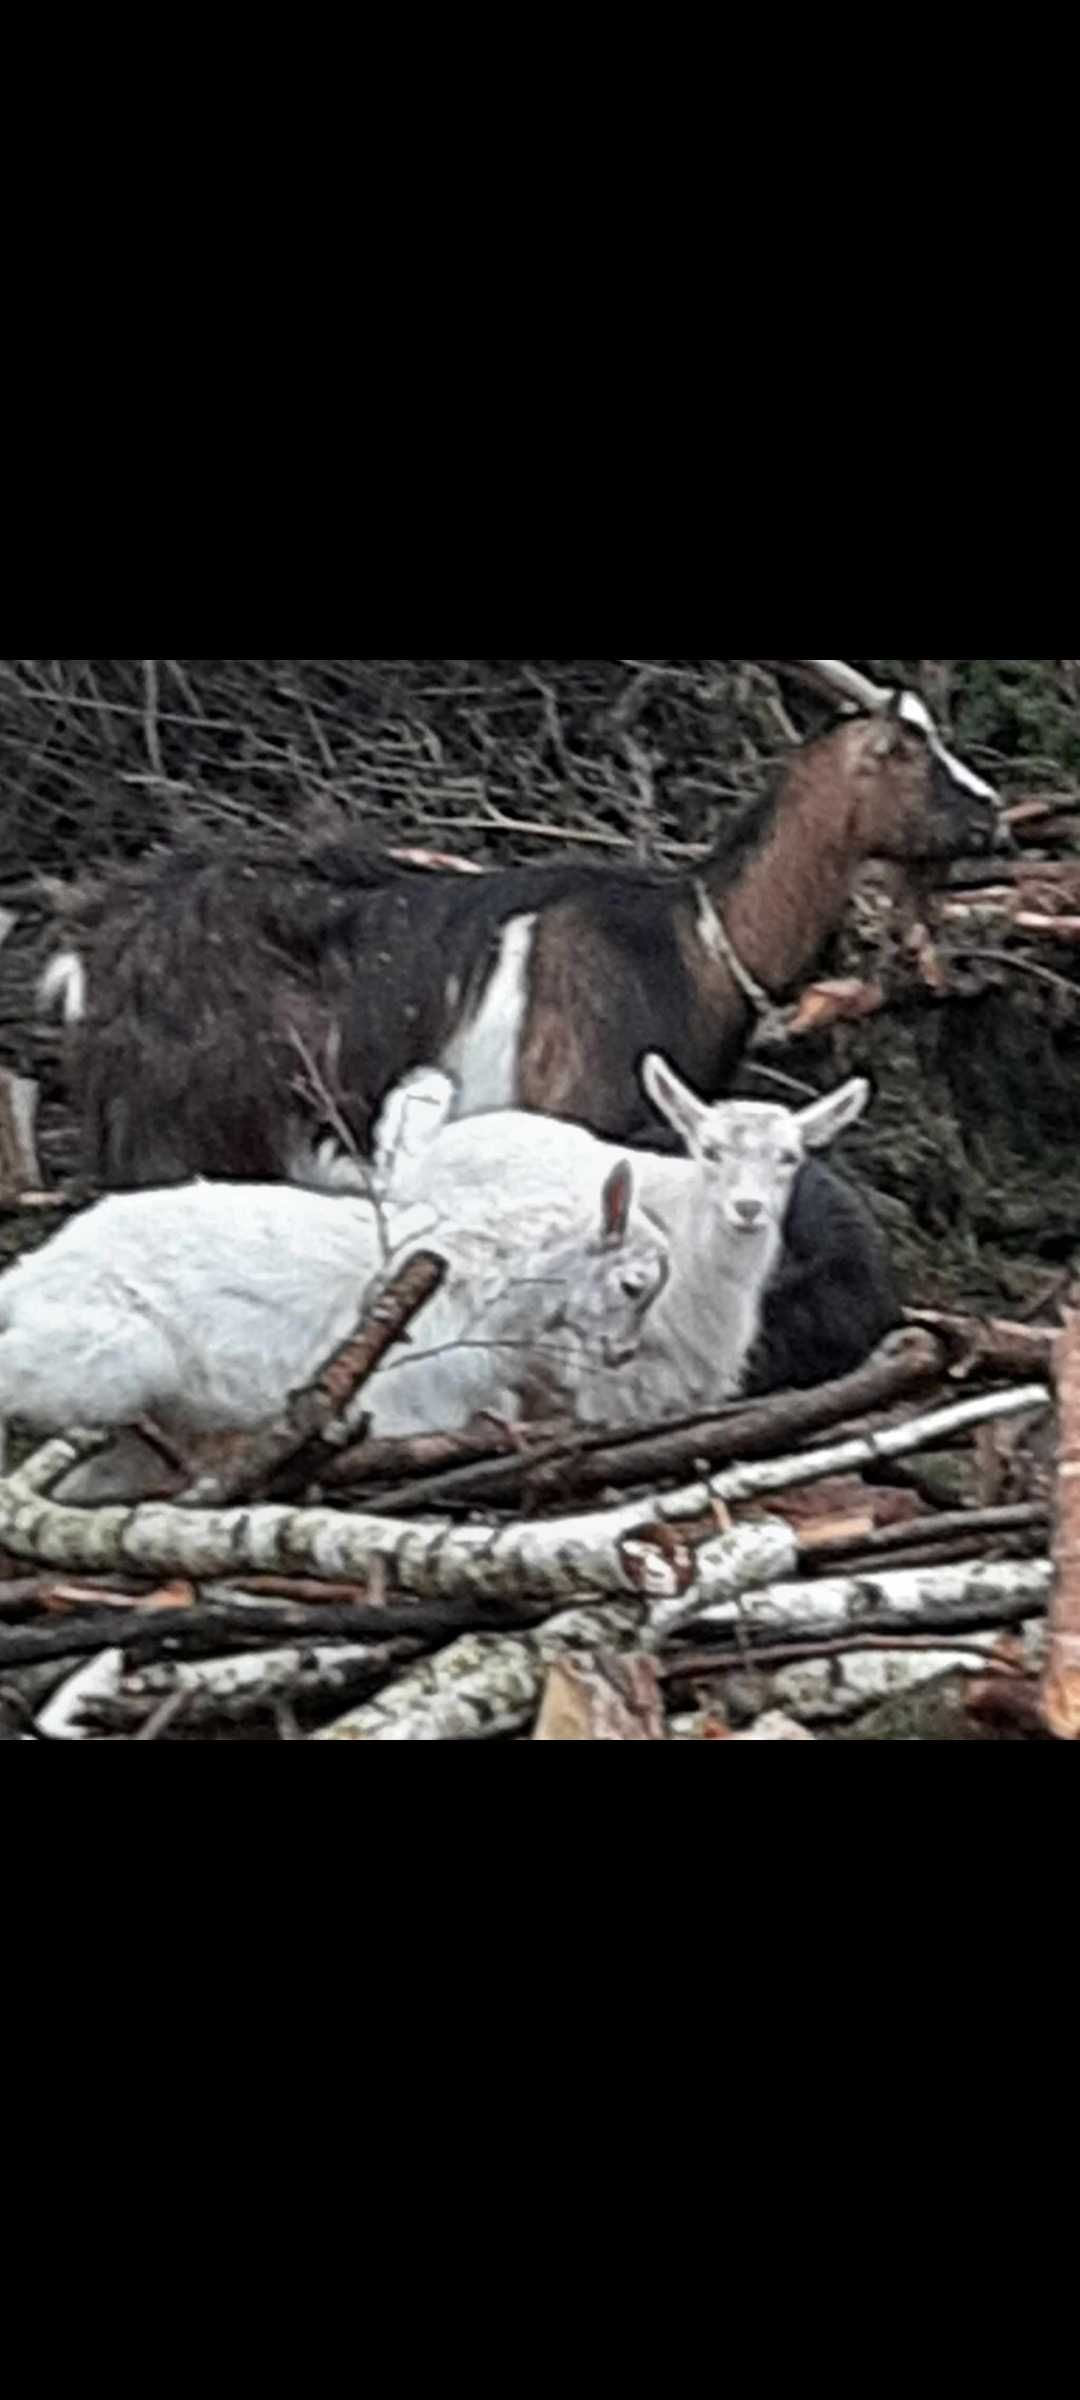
(839, 681)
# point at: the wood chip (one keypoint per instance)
(609, 1698)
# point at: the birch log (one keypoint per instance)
(948, 1598)
(610, 1551)
(237, 1687)
(19, 1169)
(488, 1685)
(485, 1685)
(828, 1691)
(1060, 1697)
(100, 1679)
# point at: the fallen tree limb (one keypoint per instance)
(235, 1688)
(837, 1690)
(925, 1554)
(1060, 1697)
(955, 1598)
(487, 1686)
(909, 1363)
(376, 1468)
(484, 1686)
(986, 1345)
(749, 1556)
(702, 1666)
(289, 1455)
(546, 1560)
(19, 1169)
(971, 1525)
(210, 1628)
(755, 1481)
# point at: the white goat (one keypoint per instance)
(202, 1307)
(722, 1210)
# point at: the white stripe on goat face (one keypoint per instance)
(914, 711)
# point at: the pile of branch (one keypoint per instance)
(100, 756)
(983, 927)
(774, 1570)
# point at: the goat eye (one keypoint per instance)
(789, 1158)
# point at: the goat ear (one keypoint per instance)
(825, 1119)
(617, 1196)
(672, 1099)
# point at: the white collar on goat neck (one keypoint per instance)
(717, 941)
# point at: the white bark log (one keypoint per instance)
(484, 1685)
(555, 1559)
(916, 1600)
(743, 1560)
(828, 1691)
(894, 1441)
(298, 1671)
(100, 1679)
(19, 1169)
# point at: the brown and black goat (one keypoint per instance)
(226, 1014)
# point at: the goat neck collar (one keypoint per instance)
(718, 943)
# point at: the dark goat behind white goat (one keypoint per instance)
(834, 1295)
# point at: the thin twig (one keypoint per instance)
(700, 1665)
(1020, 966)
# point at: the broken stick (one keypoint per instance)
(287, 1457)
(19, 1169)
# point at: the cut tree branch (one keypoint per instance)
(986, 1345)
(908, 1364)
(954, 1599)
(542, 1560)
(19, 1169)
(1061, 1684)
(289, 1456)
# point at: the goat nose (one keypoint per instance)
(749, 1210)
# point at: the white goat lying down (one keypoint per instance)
(202, 1307)
(721, 1209)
